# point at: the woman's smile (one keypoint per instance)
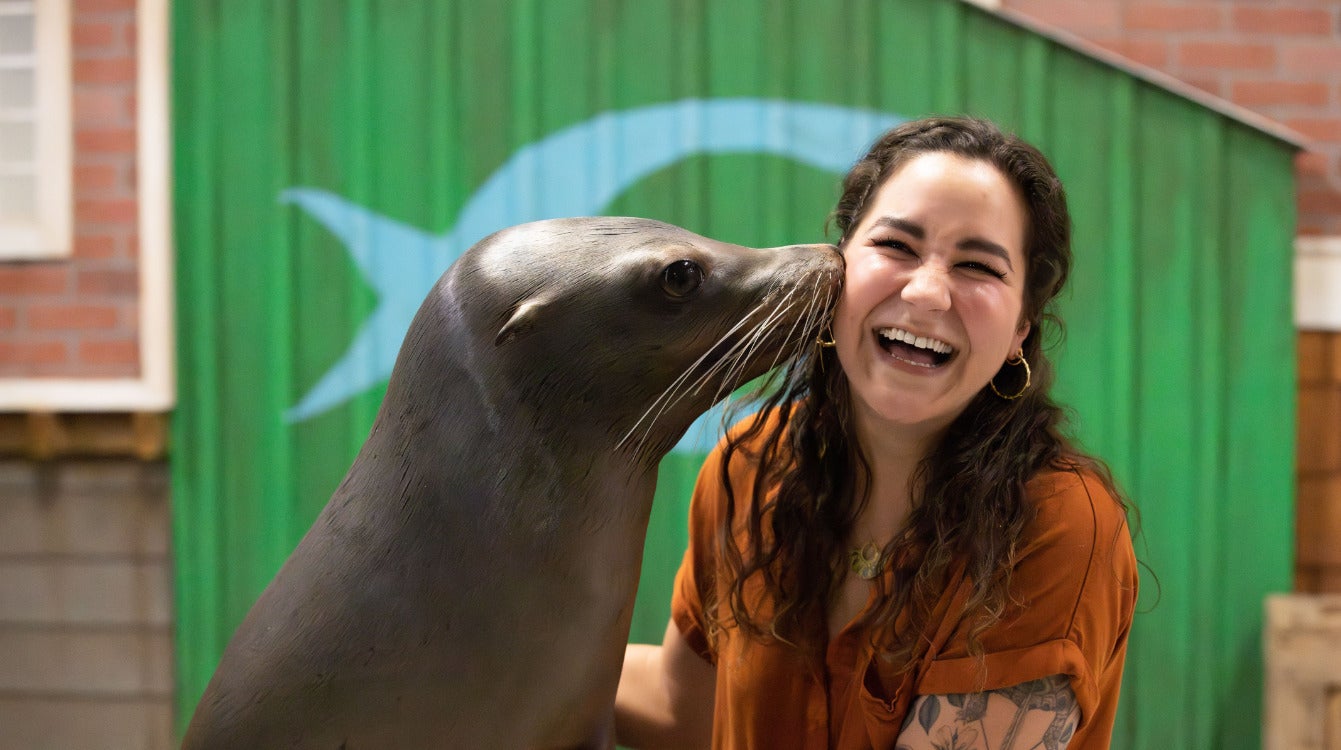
(906, 346)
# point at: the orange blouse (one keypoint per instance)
(1072, 596)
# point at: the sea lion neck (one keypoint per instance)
(437, 441)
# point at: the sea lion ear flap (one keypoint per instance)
(523, 318)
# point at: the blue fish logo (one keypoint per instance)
(552, 178)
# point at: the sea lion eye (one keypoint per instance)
(681, 278)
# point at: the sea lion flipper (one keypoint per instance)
(522, 320)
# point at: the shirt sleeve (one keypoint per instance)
(1072, 598)
(697, 569)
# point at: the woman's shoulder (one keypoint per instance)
(1077, 506)
(1078, 546)
(1073, 482)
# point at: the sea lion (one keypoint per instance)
(471, 581)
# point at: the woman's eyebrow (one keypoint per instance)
(972, 243)
(987, 246)
(903, 225)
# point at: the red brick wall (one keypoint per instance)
(79, 317)
(1282, 59)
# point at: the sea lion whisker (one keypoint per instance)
(744, 354)
(802, 323)
(817, 305)
(800, 335)
(732, 356)
(789, 348)
(810, 325)
(663, 402)
(667, 395)
(819, 313)
(673, 395)
(758, 336)
(794, 342)
(739, 356)
(756, 339)
(673, 392)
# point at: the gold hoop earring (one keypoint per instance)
(826, 344)
(1018, 359)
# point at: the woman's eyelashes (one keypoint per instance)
(902, 248)
(984, 268)
(898, 246)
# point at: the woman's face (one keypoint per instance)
(934, 289)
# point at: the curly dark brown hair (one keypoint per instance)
(969, 500)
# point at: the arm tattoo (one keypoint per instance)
(961, 722)
(972, 706)
(1048, 694)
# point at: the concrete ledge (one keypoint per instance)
(85, 605)
(57, 723)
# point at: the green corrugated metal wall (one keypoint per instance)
(1179, 357)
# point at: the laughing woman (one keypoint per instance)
(904, 550)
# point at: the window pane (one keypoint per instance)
(17, 198)
(16, 89)
(16, 142)
(16, 34)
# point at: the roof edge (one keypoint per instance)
(1150, 75)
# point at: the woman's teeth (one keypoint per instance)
(921, 342)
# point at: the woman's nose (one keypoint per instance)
(928, 288)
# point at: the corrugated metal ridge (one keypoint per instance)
(1148, 74)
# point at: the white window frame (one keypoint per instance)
(51, 235)
(155, 389)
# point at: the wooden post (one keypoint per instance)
(1303, 673)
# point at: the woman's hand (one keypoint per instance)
(1041, 713)
(665, 697)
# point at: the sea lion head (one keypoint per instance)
(627, 329)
